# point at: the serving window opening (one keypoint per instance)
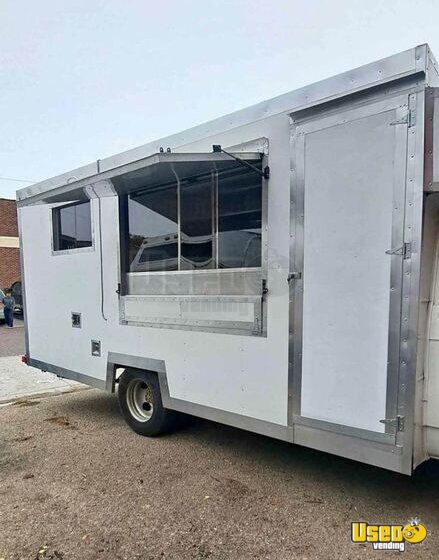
(210, 221)
(193, 242)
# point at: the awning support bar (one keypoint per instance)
(265, 173)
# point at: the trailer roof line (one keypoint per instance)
(403, 64)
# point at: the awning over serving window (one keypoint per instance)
(158, 169)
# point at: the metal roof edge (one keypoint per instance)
(385, 70)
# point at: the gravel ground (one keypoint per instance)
(74, 478)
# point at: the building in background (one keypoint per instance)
(9, 244)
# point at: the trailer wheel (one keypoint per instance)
(141, 404)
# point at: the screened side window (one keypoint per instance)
(72, 226)
(197, 225)
(153, 229)
(206, 222)
(239, 221)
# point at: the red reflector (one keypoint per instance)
(24, 359)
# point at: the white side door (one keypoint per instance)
(348, 252)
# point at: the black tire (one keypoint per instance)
(141, 404)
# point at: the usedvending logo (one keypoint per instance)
(389, 537)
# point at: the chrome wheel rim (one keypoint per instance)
(139, 400)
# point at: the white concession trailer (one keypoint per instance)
(276, 269)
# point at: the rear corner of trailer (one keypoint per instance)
(427, 442)
(60, 291)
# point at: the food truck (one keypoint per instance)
(276, 269)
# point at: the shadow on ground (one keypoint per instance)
(275, 454)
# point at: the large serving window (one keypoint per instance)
(204, 222)
(193, 241)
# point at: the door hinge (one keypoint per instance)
(294, 276)
(397, 423)
(264, 287)
(405, 251)
(409, 118)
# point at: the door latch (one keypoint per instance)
(294, 276)
(405, 251)
(397, 423)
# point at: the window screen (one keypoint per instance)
(207, 222)
(153, 230)
(239, 220)
(197, 224)
(72, 226)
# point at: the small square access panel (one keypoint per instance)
(96, 348)
(76, 320)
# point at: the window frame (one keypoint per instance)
(124, 243)
(54, 228)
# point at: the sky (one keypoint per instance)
(84, 79)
